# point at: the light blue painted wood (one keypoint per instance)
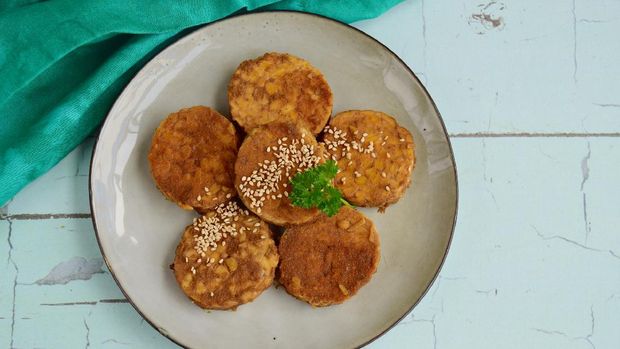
(546, 67)
(524, 271)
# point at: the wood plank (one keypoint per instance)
(512, 66)
(527, 267)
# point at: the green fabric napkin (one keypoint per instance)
(63, 63)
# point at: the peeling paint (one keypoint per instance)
(489, 17)
(77, 268)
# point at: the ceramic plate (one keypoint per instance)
(138, 229)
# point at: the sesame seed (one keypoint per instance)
(383, 174)
(364, 134)
(402, 139)
(221, 261)
(387, 187)
(223, 243)
(257, 225)
(199, 260)
(211, 294)
(357, 174)
(199, 198)
(228, 196)
(262, 236)
(388, 155)
(186, 259)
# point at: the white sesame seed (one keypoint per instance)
(199, 198)
(402, 139)
(211, 294)
(186, 259)
(383, 174)
(221, 261)
(199, 260)
(228, 196)
(388, 155)
(387, 187)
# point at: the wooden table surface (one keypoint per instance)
(530, 93)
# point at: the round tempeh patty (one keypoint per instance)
(375, 156)
(192, 156)
(225, 258)
(327, 261)
(268, 158)
(279, 87)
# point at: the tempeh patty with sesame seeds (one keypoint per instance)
(225, 258)
(192, 157)
(375, 156)
(327, 261)
(269, 156)
(279, 87)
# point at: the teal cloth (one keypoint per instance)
(63, 63)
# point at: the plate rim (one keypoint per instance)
(177, 341)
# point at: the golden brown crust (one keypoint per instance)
(279, 86)
(247, 268)
(377, 171)
(255, 159)
(193, 149)
(327, 261)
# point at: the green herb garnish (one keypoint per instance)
(313, 188)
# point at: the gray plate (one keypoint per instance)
(138, 230)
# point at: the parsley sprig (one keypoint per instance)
(313, 188)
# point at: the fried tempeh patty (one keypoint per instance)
(269, 156)
(279, 87)
(192, 157)
(375, 156)
(225, 258)
(327, 261)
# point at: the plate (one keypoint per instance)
(138, 230)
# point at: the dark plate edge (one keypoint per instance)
(176, 341)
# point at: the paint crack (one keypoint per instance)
(585, 175)
(432, 322)
(573, 242)
(11, 261)
(587, 337)
(574, 12)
